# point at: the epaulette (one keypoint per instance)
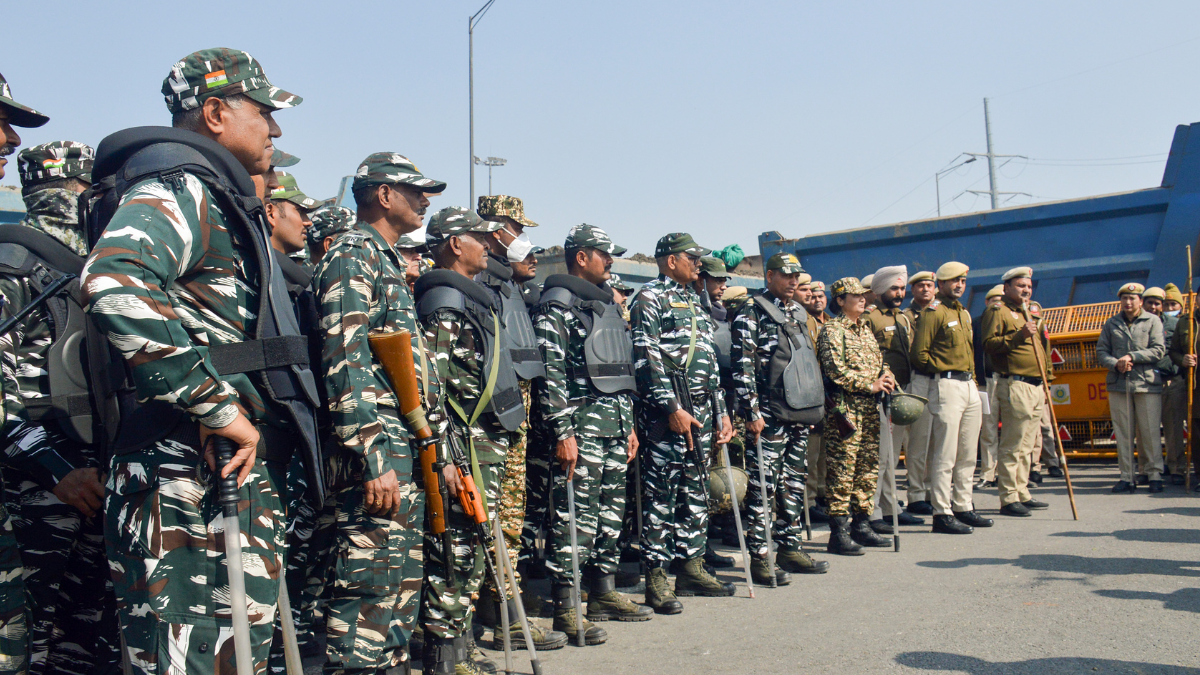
(934, 304)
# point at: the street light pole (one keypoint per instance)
(471, 23)
(937, 186)
(491, 162)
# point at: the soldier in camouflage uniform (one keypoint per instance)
(784, 444)
(288, 210)
(456, 238)
(53, 488)
(371, 611)
(328, 222)
(595, 440)
(161, 510)
(673, 339)
(14, 622)
(854, 367)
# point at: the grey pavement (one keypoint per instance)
(1116, 592)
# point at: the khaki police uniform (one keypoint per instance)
(916, 444)
(942, 350)
(815, 487)
(893, 331)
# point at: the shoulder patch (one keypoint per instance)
(679, 305)
(935, 303)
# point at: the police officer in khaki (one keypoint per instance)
(942, 350)
(1009, 333)
(893, 331)
(989, 434)
(916, 446)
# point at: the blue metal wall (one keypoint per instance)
(1081, 250)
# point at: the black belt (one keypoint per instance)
(960, 375)
(1035, 381)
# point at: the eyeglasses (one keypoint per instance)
(693, 259)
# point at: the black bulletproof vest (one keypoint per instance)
(446, 289)
(796, 391)
(608, 349)
(514, 317)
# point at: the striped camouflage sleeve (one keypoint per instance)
(653, 383)
(14, 404)
(744, 356)
(550, 326)
(155, 236)
(345, 285)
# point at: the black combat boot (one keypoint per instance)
(950, 525)
(861, 532)
(604, 603)
(659, 595)
(839, 537)
(716, 560)
(441, 655)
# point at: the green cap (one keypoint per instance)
(221, 72)
(409, 241)
(19, 115)
(282, 159)
(679, 242)
(386, 168)
(787, 263)
(714, 267)
(329, 220)
(289, 191)
(614, 281)
(55, 160)
(847, 286)
(495, 206)
(454, 220)
(590, 236)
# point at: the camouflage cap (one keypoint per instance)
(280, 158)
(614, 281)
(19, 115)
(679, 242)
(494, 206)
(386, 168)
(847, 286)
(590, 236)
(787, 263)
(714, 267)
(454, 220)
(221, 72)
(56, 160)
(409, 241)
(289, 191)
(329, 220)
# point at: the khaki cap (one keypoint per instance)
(994, 292)
(920, 276)
(952, 270)
(1018, 273)
(804, 279)
(1154, 292)
(1131, 288)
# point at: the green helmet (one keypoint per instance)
(718, 490)
(906, 408)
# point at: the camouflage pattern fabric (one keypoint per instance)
(301, 523)
(371, 611)
(494, 207)
(674, 501)
(511, 507)
(56, 160)
(539, 452)
(221, 72)
(14, 624)
(599, 483)
(166, 554)
(55, 211)
(191, 297)
(382, 168)
(329, 220)
(850, 358)
(72, 609)
(784, 447)
(19, 115)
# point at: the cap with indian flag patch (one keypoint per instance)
(221, 72)
(288, 190)
(55, 160)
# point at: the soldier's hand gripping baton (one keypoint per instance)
(579, 636)
(737, 518)
(227, 496)
(767, 511)
(394, 353)
(885, 451)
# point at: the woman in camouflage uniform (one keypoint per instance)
(854, 372)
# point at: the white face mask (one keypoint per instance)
(1174, 312)
(519, 249)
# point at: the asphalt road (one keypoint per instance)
(1116, 592)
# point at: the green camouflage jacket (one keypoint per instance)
(849, 354)
(661, 319)
(163, 297)
(360, 287)
(459, 355)
(569, 403)
(754, 340)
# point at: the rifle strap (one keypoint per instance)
(483, 401)
(692, 340)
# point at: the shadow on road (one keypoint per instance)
(1156, 536)
(1172, 511)
(1075, 564)
(1066, 664)
(1182, 600)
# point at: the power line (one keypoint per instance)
(1100, 67)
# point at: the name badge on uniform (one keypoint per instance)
(889, 328)
(679, 305)
(1017, 316)
(952, 324)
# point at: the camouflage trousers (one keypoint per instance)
(784, 447)
(377, 568)
(511, 507)
(853, 463)
(72, 608)
(599, 484)
(301, 522)
(14, 634)
(166, 552)
(446, 608)
(674, 496)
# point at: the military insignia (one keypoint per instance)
(216, 79)
(54, 163)
(679, 305)
(1017, 316)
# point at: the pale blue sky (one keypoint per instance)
(722, 119)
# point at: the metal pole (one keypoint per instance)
(768, 512)
(737, 518)
(579, 635)
(502, 591)
(937, 186)
(987, 123)
(471, 98)
(490, 180)
(1191, 378)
